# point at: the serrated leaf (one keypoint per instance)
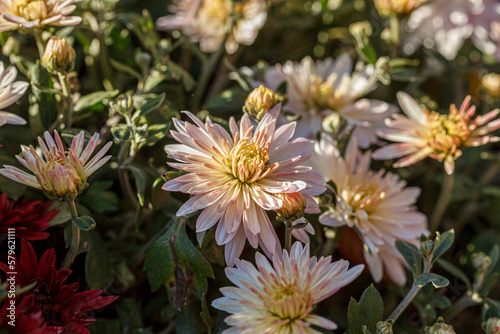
(411, 254)
(123, 132)
(445, 241)
(91, 99)
(437, 280)
(450, 268)
(141, 180)
(97, 263)
(84, 223)
(368, 312)
(173, 261)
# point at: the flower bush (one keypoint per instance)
(250, 166)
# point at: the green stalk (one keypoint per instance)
(39, 43)
(288, 235)
(442, 203)
(75, 237)
(395, 34)
(66, 91)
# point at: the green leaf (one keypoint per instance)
(449, 267)
(494, 256)
(179, 72)
(91, 99)
(84, 223)
(173, 261)
(145, 105)
(205, 313)
(368, 312)
(436, 280)
(488, 284)
(123, 132)
(141, 180)
(126, 69)
(98, 266)
(42, 110)
(99, 198)
(411, 254)
(444, 241)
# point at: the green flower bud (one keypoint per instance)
(123, 105)
(259, 102)
(59, 56)
(491, 326)
(439, 328)
(480, 261)
(385, 327)
(426, 247)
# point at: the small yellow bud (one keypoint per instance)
(294, 206)
(439, 328)
(491, 326)
(401, 7)
(491, 83)
(123, 105)
(59, 56)
(259, 102)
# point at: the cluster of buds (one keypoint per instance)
(123, 105)
(400, 7)
(491, 84)
(481, 262)
(294, 206)
(385, 327)
(491, 326)
(440, 327)
(260, 101)
(59, 56)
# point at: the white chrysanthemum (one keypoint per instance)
(377, 205)
(280, 298)
(236, 177)
(25, 14)
(60, 174)
(10, 92)
(318, 89)
(209, 21)
(446, 24)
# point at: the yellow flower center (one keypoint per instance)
(323, 95)
(288, 303)
(367, 195)
(446, 133)
(29, 9)
(248, 160)
(213, 14)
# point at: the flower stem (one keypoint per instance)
(75, 237)
(463, 302)
(288, 235)
(395, 36)
(409, 297)
(39, 43)
(66, 91)
(442, 203)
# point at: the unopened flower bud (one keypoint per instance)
(259, 102)
(11, 46)
(402, 7)
(123, 105)
(361, 29)
(59, 56)
(385, 327)
(481, 262)
(294, 206)
(491, 83)
(491, 326)
(427, 247)
(143, 59)
(439, 328)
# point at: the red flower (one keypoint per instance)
(29, 218)
(62, 308)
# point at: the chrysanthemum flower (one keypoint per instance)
(377, 205)
(318, 89)
(210, 21)
(446, 24)
(60, 174)
(233, 177)
(29, 218)
(10, 92)
(25, 14)
(61, 307)
(427, 133)
(280, 298)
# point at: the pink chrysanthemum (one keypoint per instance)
(213, 22)
(280, 298)
(61, 174)
(377, 205)
(25, 14)
(316, 89)
(10, 92)
(234, 177)
(427, 133)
